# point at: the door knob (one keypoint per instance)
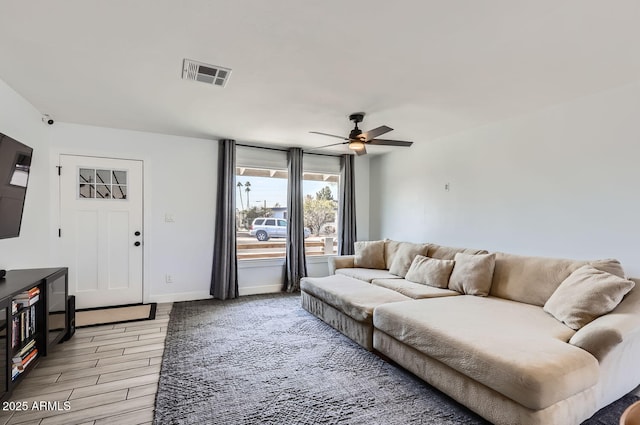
(137, 243)
(137, 233)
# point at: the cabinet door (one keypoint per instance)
(4, 347)
(56, 314)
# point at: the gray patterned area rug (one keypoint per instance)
(264, 360)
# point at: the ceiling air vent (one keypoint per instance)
(210, 74)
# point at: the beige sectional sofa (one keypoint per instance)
(535, 344)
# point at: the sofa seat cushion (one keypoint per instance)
(353, 297)
(366, 275)
(412, 289)
(513, 348)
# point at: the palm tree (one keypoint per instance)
(240, 194)
(247, 188)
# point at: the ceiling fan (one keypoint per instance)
(358, 140)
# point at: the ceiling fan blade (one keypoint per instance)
(362, 151)
(371, 134)
(327, 146)
(330, 135)
(386, 142)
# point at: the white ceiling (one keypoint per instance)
(426, 68)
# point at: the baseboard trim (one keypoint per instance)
(193, 296)
(177, 297)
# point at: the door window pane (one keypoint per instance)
(119, 192)
(103, 176)
(87, 175)
(87, 190)
(103, 192)
(119, 177)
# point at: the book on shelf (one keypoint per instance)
(32, 319)
(25, 350)
(28, 294)
(25, 299)
(23, 363)
(15, 331)
(19, 303)
(23, 326)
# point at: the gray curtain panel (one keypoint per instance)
(295, 265)
(224, 277)
(347, 208)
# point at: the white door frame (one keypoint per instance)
(56, 202)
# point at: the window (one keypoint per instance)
(320, 213)
(102, 184)
(320, 185)
(261, 207)
(260, 211)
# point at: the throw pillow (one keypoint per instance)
(369, 254)
(472, 274)
(585, 295)
(430, 271)
(404, 257)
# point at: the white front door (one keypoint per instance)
(101, 229)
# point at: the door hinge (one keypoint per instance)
(59, 167)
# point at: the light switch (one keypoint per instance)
(169, 218)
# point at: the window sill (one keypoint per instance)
(275, 262)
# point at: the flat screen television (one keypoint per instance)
(15, 163)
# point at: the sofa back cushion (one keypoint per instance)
(533, 280)
(448, 253)
(369, 255)
(403, 258)
(390, 250)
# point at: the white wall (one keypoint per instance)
(361, 168)
(179, 179)
(558, 182)
(21, 121)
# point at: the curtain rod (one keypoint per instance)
(285, 150)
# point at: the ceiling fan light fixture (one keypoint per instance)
(358, 140)
(356, 145)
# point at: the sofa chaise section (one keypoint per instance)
(346, 304)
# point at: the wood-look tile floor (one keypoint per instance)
(106, 374)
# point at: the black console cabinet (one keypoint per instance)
(33, 317)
